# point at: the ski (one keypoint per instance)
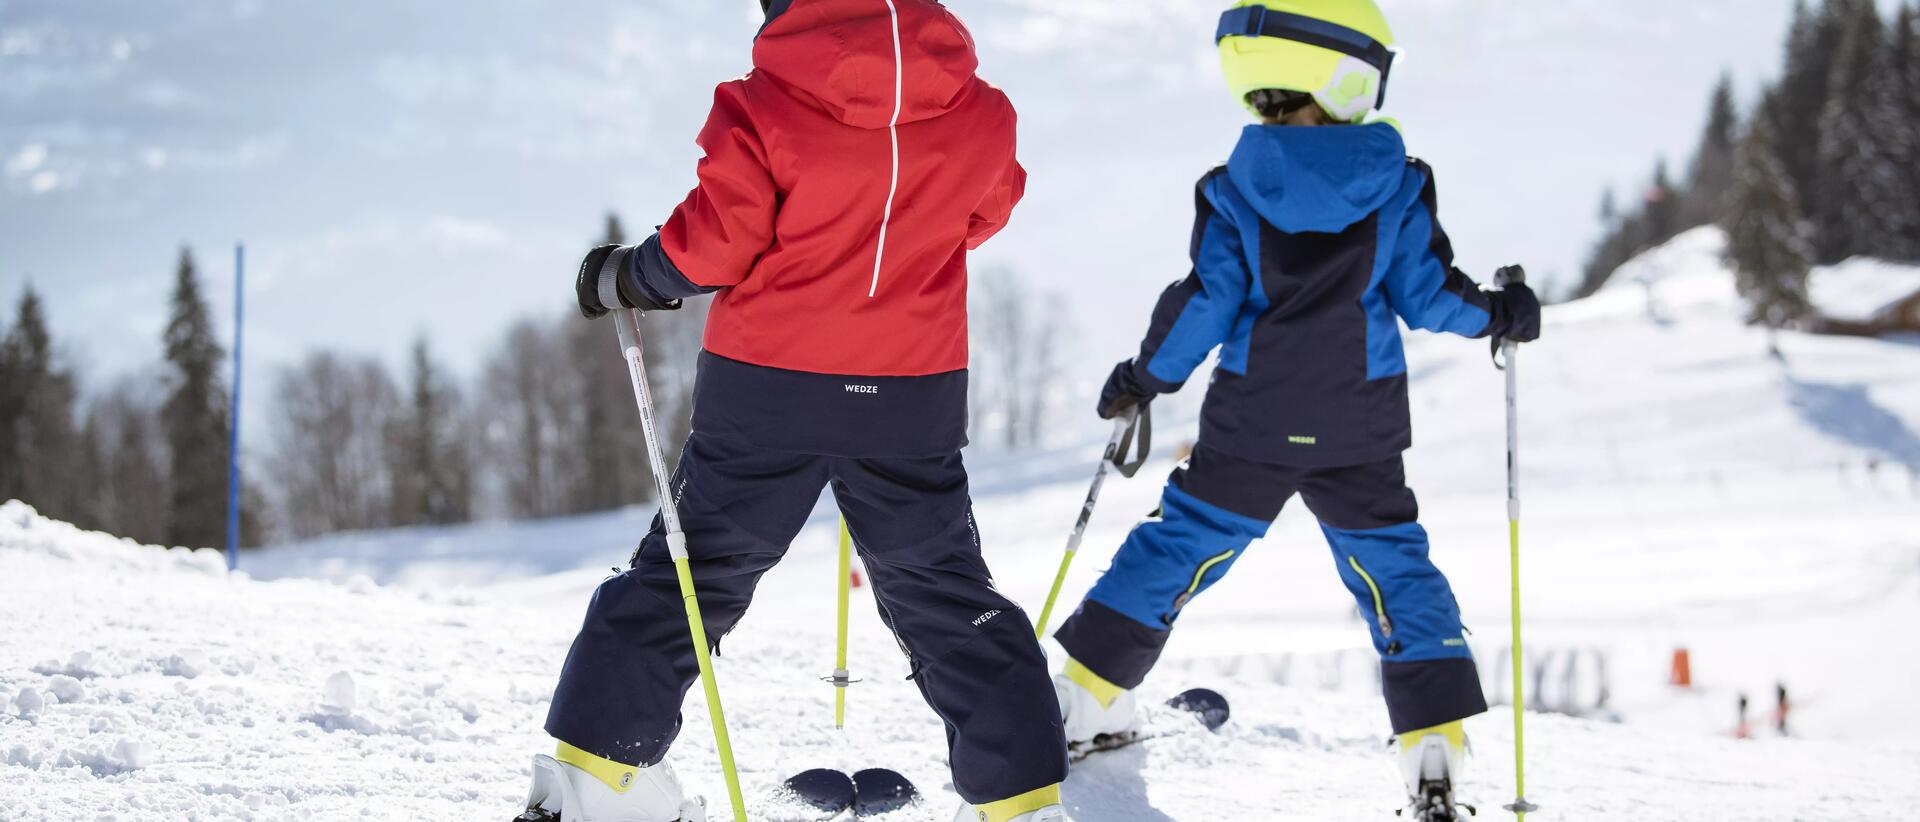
(866, 793)
(1435, 804)
(878, 790)
(822, 789)
(1205, 705)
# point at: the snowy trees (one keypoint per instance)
(1766, 237)
(1843, 123)
(1711, 175)
(1862, 199)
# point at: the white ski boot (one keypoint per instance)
(1093, 707)
(563, 792)
(1050, 813)
(1431, 762)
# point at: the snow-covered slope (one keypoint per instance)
(1683, 489)
(143, 684)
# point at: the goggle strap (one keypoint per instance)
(1260, 21)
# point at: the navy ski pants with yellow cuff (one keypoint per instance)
(1217, 504)
(973, 653)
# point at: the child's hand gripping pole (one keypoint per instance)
(628, 323)
(1137, 419)
(1508, 348)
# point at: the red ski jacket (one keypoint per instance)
(845, 179)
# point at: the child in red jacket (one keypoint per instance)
(845, 179)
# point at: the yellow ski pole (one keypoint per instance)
(841, 677)
(1123, 429)
(1520, 807)
(629, 326)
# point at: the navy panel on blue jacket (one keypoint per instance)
(1309, 246)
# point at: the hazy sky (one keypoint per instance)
(408, 166)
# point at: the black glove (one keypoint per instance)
(1516, 313)
(586, 287)
(1122, 392)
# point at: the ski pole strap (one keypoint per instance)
(608, 282)
(1139, 424)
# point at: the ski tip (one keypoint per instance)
(823, 789)
(1205, 704)
(878, 790)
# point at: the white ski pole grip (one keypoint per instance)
(1505, 362)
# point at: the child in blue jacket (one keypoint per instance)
(1315, 240)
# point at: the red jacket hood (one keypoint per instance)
(841, 54)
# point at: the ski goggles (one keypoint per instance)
(1260, 21)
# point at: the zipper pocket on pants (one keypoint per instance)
(1379, 602)
(1200, 574)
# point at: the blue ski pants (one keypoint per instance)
(1217, 504)
(972, 651)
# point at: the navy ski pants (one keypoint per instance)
(1216, 505)
(973, 653)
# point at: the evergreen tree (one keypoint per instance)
(1796, 106)
(1858, 204)
(194, 417)
(428, 450)
(1711, 174)
(1904, 70)
(616, 235)
(1662, 214)
(40, 450)
(1766, 236)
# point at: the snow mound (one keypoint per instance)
(1862, 288)
(24, 529)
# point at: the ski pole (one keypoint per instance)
(1520, 807)
(1124, 427)
(841, 677)
(629, 327)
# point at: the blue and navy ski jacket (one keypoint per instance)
(1310, 245)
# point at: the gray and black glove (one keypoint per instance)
(1122, 391)
(605, 283)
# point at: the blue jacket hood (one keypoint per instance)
(1319, 179)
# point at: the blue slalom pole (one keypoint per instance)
(233, 426)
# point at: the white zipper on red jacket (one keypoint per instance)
(893, 136)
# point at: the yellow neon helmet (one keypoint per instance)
(1339, 51)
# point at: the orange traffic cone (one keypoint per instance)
(1682, 676)
(854, 577)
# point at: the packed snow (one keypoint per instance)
(1683, 489)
